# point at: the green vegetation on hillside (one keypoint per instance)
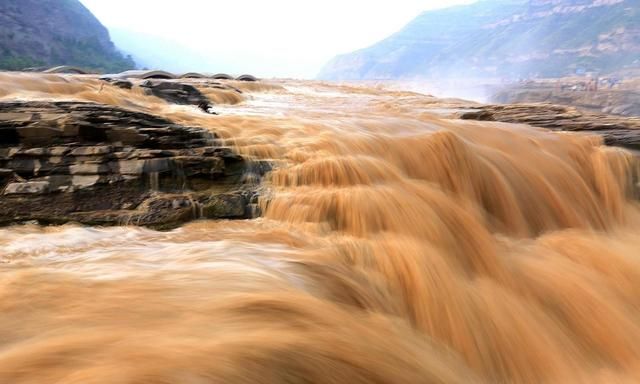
(11, 62)
(90, 54)
(47, 33)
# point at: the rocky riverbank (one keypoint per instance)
(616, 130)
(617, 101)
(103, 165)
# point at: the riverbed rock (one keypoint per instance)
(617, 101)
(104, 165)
(176, 93)
(27, 188)
(120, 83)
(224, 206)
(616, 130)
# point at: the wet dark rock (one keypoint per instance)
(5, 173)
(120, 83)
(6, 176)
(27, 188)
(228, 206)
(177, 93)
(96, 150)
(103, 165)
(616, 130)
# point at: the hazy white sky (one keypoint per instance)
(285, 38)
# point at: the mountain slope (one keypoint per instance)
(55, 32)
(151, 51)
(503, 38)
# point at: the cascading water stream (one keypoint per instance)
(396, 246)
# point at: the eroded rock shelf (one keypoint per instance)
(102, 165)
(616, 130)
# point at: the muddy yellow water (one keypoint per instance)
(397, 245)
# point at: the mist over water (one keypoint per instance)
(397, 245)
(478, 90)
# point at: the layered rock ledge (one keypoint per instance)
(103, 165)
(616, 130)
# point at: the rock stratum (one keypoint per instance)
(623, 101)
(36, 33)
(504, 38)
(97, 164)
(616, 130)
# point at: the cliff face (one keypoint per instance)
(55, 32)
(504, 38)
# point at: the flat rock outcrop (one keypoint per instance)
(616, 130)
(96, 164)
(623, 101)
(176, 93)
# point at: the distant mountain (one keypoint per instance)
(55, 32)
(157, 52)
(503, 38)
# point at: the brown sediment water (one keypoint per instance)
(396, 246)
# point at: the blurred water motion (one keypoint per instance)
(397, 246)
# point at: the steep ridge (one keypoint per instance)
(504, 38)
(55, 32)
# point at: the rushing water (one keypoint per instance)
(397, 246)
